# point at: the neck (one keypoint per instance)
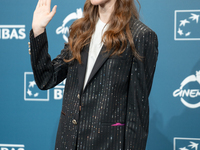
(105, 10)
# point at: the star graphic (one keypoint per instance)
(31, 84)
(36, 94)
(29, 93)
(188, 34)
(193, 145)
(184, 148)
(194, 17)
(180, 32)
(183, 22)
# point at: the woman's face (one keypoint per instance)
(100, 2)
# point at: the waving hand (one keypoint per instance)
(42, 16)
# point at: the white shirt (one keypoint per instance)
(95, 47)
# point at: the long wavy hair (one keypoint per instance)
(117, 35)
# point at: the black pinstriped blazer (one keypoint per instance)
(114, 104)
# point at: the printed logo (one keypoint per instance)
(59, 90)
(31, 91)
(64, 28)
(185, 92)
(11, 147)
(12, 32)
(186, 143)
(186, 25)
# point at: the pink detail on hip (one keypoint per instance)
(117, 124)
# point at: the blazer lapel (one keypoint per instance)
(102, 57)
(82, 67)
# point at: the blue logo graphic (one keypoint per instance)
(186, 143)
(31, 91)
(187, 25)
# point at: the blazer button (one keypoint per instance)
(74, 121)
(78, 96)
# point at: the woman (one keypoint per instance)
(109, 64)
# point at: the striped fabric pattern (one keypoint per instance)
(114, 104)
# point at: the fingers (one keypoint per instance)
(42, 3)
(48, 3)
(53, 12)
(38, 4)
(45, 2)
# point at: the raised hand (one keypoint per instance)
(42, 16)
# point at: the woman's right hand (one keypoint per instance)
(42, 16)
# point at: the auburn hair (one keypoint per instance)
(115, 37)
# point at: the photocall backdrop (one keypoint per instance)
(29, 117)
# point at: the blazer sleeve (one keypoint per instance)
(47, 73)
(142, 72)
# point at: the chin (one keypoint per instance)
(98, 2)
